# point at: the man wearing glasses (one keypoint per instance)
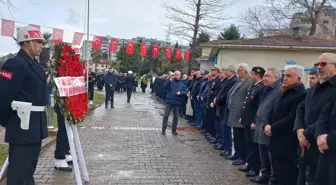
(309, 111)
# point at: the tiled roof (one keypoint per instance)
(276, 41)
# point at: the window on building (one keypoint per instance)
(325, 21)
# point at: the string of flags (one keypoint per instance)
(8, 29)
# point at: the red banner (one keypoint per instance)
(97, 42)
(187, 55)
(130, 48)
(168, 53)
(143, 50)
(114, 45)
(36, 26)
(57, 36)
(155, 50)
(77, 39)
(7, 28)
(178, 54)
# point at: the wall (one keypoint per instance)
(206, 65)
(206, 51)
(266, 58)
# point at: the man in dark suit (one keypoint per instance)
(283, 143)
(220, 100)
(110, 83)
(129, 83)
(249, 110)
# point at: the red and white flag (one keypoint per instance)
(130, 48)
(168, 53)
(97, 42)
(36, 26)
(187, 55)
(77, 39)
(178, 54)
(7, 28)
(143, 50)
(155, 50)
(114, 45)
(57, 36)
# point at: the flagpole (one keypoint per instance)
(87, 45)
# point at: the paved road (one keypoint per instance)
(124, 146)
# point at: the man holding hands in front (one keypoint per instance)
(176, 90)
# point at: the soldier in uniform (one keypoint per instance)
(23, 91)
(110, 82)
(249, 110)
(129, 83)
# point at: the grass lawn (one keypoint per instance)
(3, 153)
(96, 100)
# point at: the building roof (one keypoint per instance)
(277, 41)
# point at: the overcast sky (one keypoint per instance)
(117, 18)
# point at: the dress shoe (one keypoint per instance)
(251, 173)
(174, 133)
(213, 141)
(225, 153)
(260, 179)
(238, 162)
(218, 147)
(244, 169)
(232, 157)
(163, 133)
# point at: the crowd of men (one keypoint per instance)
(281, 132)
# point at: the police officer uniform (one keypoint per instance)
(247, 118)
(110, 84)
(23, 85)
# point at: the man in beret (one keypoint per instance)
(250, 107)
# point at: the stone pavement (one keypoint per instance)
(124, 146)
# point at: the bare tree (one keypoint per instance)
(310, 9)
(11, 7)
(193, 16)
(258, 18)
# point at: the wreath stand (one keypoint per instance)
(75, 146)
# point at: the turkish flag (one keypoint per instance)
(57, 36)
(178, 54)
(114, 45)
(97, 42)
(77, 39)
(155, 50)
(187, 55)
(143, 50)
(7, 28)
(168, 53)
(130, 48)
(35, 26)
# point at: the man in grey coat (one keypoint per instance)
(272, 94)
(235, 102)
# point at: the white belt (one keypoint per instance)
(23, 110)
(37, 108)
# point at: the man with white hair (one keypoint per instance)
(272, 94)
(234, 108)
(283, 143)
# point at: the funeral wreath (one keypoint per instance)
(67, 79)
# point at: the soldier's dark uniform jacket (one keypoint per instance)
(251, 103)
(23, 79)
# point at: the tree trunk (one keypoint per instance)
(313, 27)
(196, 26)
